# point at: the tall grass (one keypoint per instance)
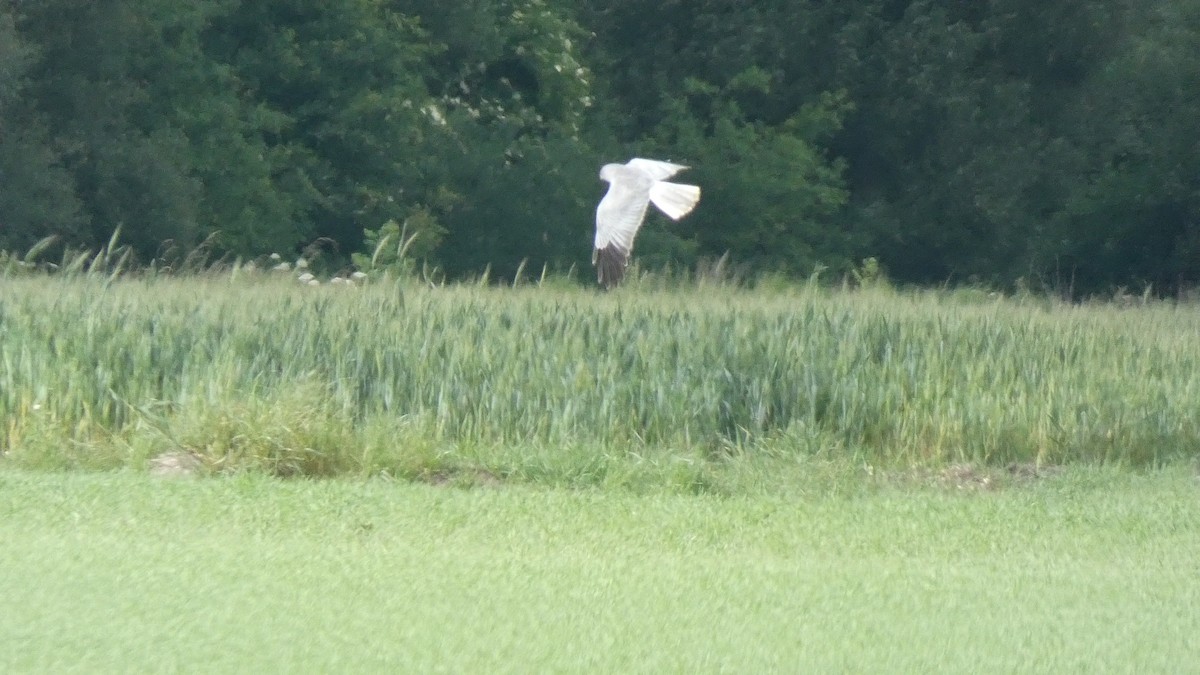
(555, 383)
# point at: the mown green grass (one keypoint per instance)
(707, 388)
(1089, 570)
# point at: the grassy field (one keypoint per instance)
(695, 389)
(662, 479)
(1090, 570)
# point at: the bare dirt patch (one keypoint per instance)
(176, 464)
(463, 478)
(979, 478)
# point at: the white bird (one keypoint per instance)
(632, 187)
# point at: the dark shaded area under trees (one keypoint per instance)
(998, 142)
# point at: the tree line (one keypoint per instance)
(996, 142)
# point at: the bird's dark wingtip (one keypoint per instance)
(610, 263)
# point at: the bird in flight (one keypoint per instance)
(631, 188)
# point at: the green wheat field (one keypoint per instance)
(568, 386)
(234, 471)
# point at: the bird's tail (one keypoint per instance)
(674, 199)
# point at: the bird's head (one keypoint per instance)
(608, 172)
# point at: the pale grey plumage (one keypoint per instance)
(632, 188)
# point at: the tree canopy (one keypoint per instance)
(997, 142)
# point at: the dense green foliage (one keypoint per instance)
(991, 141)
(250, 369)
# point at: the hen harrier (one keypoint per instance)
(631, 188)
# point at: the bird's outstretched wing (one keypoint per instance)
(618, 218)
(654, 169)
